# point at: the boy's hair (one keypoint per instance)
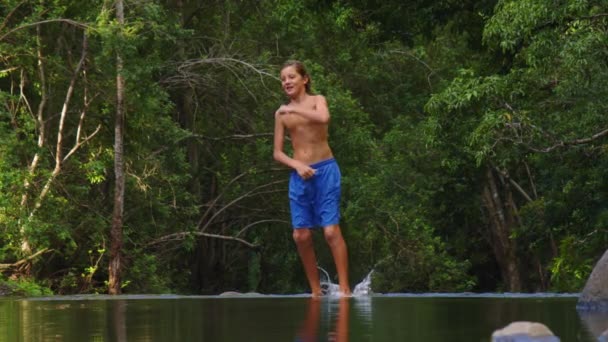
(300, 69)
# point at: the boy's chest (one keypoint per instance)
(295, 121)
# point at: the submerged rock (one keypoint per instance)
(240, 294)
(524, 332)
(595, 294)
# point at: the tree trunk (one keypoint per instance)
(114, 268)
(502, 219)
(186, 115)
(26, 249)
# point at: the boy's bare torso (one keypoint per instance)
(309, 139)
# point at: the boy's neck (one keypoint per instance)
(299, 98)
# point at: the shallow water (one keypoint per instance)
(394, 317)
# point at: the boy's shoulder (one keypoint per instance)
(319, 98)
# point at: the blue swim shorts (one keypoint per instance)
(315, 202)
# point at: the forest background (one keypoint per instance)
(136, 143)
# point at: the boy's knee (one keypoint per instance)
(332, 234)
(302, 236)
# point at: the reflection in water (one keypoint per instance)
(310, 329)
(340, 332)
(596, 323)
(118, 320)
(396, 317)
(310, 325)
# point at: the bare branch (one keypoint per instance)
(39, 115)
(66, 103)
(431, 71)
(232, 137)
(558, 143)
(8, 70)
(594, 16)
(78, 143)
(63, 20)
(505, 174)
(182, 235)
(212, 205)
(249, 193)
(23, 98)
(242, 231)
(82, 142)
(531, 180)
(186, 73)
(564, 144)
(25, 246)
(68, 98)
(225, 61)
(9, 15)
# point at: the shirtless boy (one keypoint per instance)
(314, 184)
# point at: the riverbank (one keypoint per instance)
(23, 288)
(5, 290)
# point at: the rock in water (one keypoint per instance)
(524, 332)
(595, 294)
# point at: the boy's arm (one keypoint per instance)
(279, 155)
(320, 112)
(279, 138)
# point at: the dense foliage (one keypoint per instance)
(471, 137)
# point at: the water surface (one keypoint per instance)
(394, 317)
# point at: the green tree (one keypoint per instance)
(532, 125)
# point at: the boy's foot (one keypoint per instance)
(345, 293)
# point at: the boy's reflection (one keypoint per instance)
(309, 330)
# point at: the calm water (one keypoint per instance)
(392, 318)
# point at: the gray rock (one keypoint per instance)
(595, 294)
(603, 337)
(524, 332)
(231, 293)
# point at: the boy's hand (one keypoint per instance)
(284, 109)
(305, 171)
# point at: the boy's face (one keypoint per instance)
(292, 82)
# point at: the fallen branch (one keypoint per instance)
(24, 261)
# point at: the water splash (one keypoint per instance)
(364, 288)
(327, 287)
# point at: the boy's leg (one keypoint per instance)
(333, 236)
(304, 243)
